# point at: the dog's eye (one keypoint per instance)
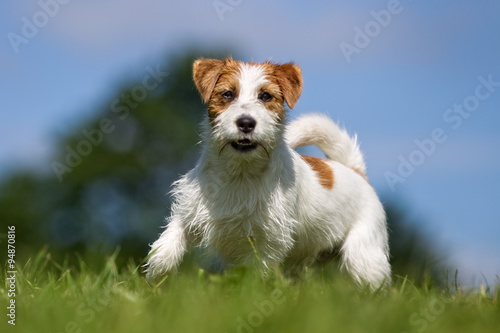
(228, 94)
(266, 97)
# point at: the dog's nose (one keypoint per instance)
(246, 124)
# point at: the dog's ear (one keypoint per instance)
(206, 72)
(289, 78)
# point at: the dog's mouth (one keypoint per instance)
(244, 145)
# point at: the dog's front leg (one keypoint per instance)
(167, 252)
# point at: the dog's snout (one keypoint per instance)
(246, 124)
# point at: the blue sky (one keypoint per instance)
(407, 71)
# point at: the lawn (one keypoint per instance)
(57, 297)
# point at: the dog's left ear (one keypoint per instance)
(289, 78)
(205, 75)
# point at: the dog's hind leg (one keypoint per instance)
(365, 255)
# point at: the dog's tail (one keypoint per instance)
(320, 130)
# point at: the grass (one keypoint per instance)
(57, 297)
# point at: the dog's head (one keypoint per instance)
(246, 101)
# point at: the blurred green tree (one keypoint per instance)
(413, 251)
(112, 173)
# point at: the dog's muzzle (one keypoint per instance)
(246, 125)
(244, 145)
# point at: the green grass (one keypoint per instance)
(56, 297)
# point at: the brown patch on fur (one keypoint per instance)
(214, 77)
(289, 78)
(228, 81)
(324, 171)
(205, 76)
(275, 105)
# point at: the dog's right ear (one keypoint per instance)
(206, 72)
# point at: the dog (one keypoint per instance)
(252, 195)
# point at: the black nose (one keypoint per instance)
(246, 124)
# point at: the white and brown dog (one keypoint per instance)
(251, 192)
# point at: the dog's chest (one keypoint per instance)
(244, 203)
(242, 211)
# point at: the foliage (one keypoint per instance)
(413, 252)
(58, 297)
(113, 171)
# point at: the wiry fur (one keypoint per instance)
(269, 197)
(321, 131)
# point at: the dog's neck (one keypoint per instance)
(239, 186)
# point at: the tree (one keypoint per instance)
(112, 173)
(413, 252)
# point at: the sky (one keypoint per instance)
(418, 81)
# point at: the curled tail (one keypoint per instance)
(320, 130)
